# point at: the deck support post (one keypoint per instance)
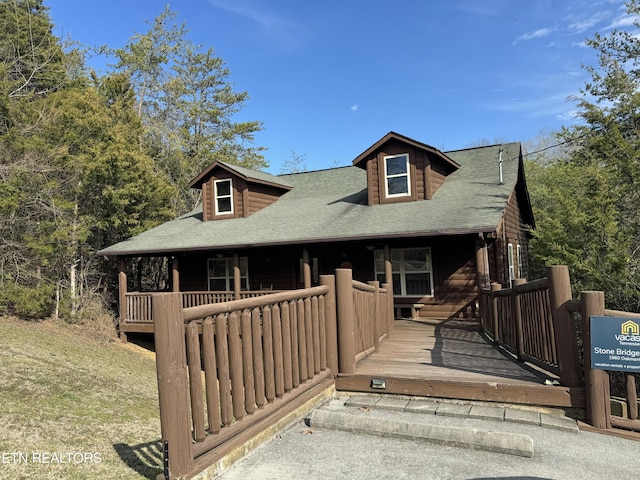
(388, 314)
(346, 322)
(306, 268)
(388, 270)
(516, 308)
(330, 322)
(175, 275)
(173, 389)
(237, 284)
(122, 296)
(596, 381)
(377, 314)
(495, 324)
(565, 334)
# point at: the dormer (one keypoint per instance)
(400, 169)
(230, 191)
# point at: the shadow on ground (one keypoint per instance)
(144, 458)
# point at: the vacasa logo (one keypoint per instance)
(629, 332)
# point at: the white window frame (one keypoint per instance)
(397, 175)
(520, 264)
(512, 271)
(218, 197)
(402, 272)
(228, 277)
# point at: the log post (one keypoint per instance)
(237, 281)
(346, 322)
(388, 269)
(565, 334)
(122, 296)
(516, 305)
(175, 275)
(173, 387)
(331, 325)
(596, 381)
(495, 287)
(306, 268)
(388, 313)
(377, 314)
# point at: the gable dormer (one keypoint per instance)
(230, 191)
(400, 169)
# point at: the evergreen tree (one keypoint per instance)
(187, 105)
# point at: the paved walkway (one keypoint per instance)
(557, 449)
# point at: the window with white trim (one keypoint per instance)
(396, 176)
(223, 196)
(410, 269)
(512, 272)
(520, 261)
(220, 274)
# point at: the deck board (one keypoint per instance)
(450, 349)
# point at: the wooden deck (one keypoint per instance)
(450, 359)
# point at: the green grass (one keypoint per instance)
(65, 391)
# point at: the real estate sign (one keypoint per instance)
(615, 344)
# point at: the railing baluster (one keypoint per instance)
(222, 350)
(247, 362)
(286, 347)
(195, 381)
(295, 348)
(267, 339)
(211, 375)
(278, 355)
(235, 359)
(308, 325)
(302, 342)
(258, 359)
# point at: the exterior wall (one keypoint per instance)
(248, 198)
(511, 231)
(278, 268)
(259, 197)
(427, 175)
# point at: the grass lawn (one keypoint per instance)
(74, 406)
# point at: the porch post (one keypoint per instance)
(175, 275)
(596, 381)
(495, 324)
(331, 323)
(236, 276)
(306, 267)
(122, 295)
(346, 322)
(565, 334)
(516, 309)
(173, 387)
(388, 271)
(481, 262)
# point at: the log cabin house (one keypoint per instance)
(436, 226)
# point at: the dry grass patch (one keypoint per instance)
(65, 392)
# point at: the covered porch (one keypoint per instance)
(437, 277)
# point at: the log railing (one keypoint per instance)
(241, 361)
(138, 304)
(366, 315)
(529, 321)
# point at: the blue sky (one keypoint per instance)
(328, 79)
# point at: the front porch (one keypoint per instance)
(451, 359)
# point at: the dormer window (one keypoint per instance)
(223, 197)
(396, 171)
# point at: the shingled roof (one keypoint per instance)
(331, 205)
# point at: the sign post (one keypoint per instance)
(615, 344)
